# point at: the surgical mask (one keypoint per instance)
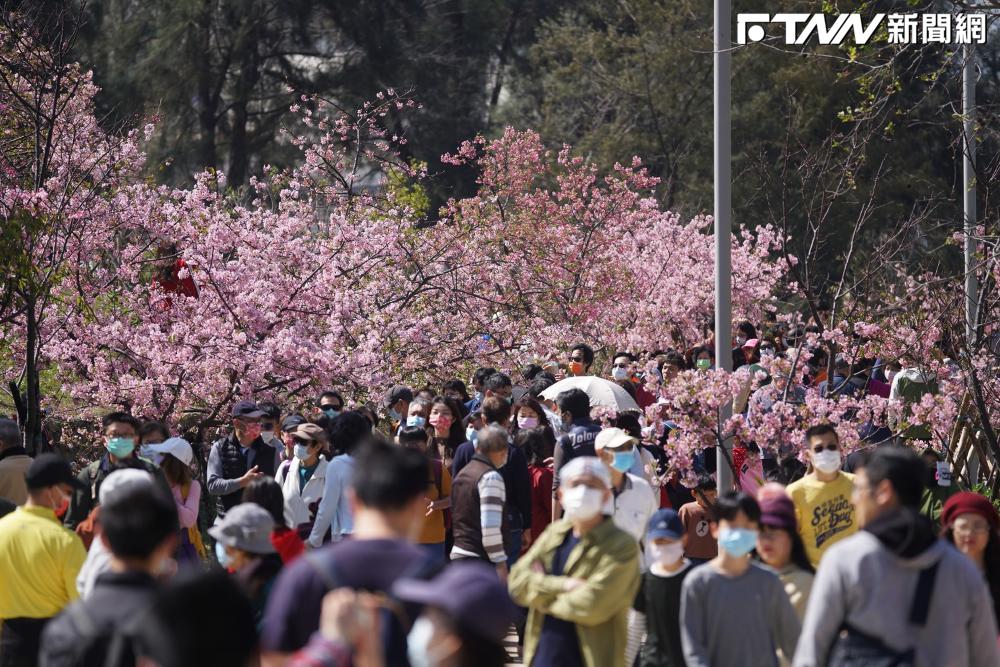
(415, 420)
(146, 451)
(624, 461)
(826, 461)
(330, 411)
(666, 554)
(268, 437)
(394, 415)
(225, 560)
(740, 340)
(582, 502)
(301, 452)
(619, 373)
(703, 364)
(737, 541)
(527, 422)
(471, 435)
(121, 448)
(418, 644)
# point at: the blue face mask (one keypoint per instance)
(395, 415)
(330, 411)
(121, 448)
(737, 541)
(225, 560)
(415, 420)
(146, 451)
(471, 435)
(624, 461)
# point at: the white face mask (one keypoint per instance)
(619, 373)
(582, 502)
(418, 644)
(740, 340)
(666, 554)
(826, 461)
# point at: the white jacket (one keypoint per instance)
(633, 507)
(297, 502)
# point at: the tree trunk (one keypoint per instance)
(32, 400)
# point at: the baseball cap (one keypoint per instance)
(665, 523)
(246, 526)
(585, 465)
(313, 432)
(751, 342)
(289, 423)
(613, 438)
(397, 393)
(179, 448)
(246, 408)
(467, 591)
(778, 512)
(121, 482)
(48, 470)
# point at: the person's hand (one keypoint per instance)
(525, 539)
(430, 507)
(572, 584)
(502, 572)
(250, 476)
(352, 619)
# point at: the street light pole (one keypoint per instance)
(969, 179)
(723, 220)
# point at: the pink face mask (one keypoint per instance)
(440, 421)
(527, 422)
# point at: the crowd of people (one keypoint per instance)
(430, 528)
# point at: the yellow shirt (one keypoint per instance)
(39, 561)
(824, 512)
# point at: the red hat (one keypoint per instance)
(967, 502)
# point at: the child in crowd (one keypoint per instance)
(657, 607)
(700, 546)
(734, 611)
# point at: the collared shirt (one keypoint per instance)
(39, 561)
(631, 505)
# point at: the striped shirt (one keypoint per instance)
(492, 495)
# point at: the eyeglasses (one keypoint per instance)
(621, 366)
(970, 528)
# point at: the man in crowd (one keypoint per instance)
(578, 439)
(121, 433)
(894, 587)
(396, 403)
(14, 462)
(581, 358)
(330, 404)
(499, 385)
(139, 528)
(477, 500)
(632, 501)
(389, 505)
(478, 379)
(823, 497)
(516, 478)
(39, 561)
(579, 578)
(239, 458)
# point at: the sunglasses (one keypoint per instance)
(832, 447)
(300, 441)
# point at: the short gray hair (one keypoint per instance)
(10, 434)
(492, 439)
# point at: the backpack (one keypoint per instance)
(395, 616)
(99, 646)
(855, 648)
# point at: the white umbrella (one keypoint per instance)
(603, 393)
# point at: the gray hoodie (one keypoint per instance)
(868, 580)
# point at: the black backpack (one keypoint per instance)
(855, 648)
(97, 646)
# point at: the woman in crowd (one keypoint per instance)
(780, 547)
(267, 493)
(175, 456)
(537, 446)
(306, 508)
(243, 547)
(446, 419)
(433, 532)
(971, 523)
